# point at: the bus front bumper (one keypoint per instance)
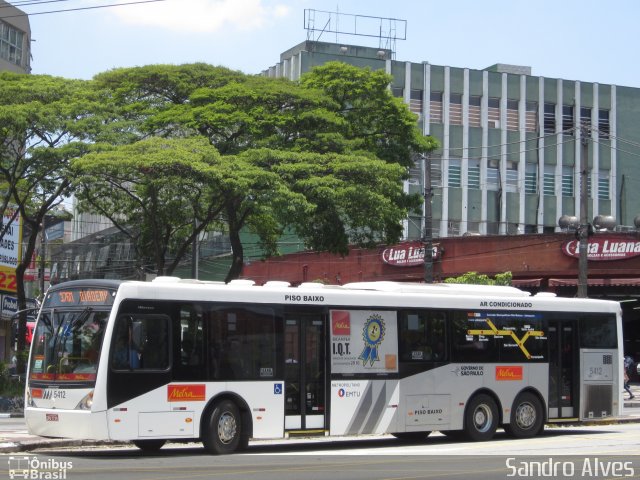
(73, 424)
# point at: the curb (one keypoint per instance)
(35, 443)
(31, 445)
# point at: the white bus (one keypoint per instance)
(185, 360)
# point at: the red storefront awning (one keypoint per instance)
(595, 282)
(526, 282)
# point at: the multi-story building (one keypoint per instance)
(15, 39)
(515, 149)
(511, 154)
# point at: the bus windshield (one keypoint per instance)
(67, 345)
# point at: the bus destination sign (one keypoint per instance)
(84, 296)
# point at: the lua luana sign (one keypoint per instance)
(407, 255)
(604, 248)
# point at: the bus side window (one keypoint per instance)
(155, 347)
(423, 339)
(126, 353)
(189, 358)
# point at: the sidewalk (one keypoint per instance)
(15, 438)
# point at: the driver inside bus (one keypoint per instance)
(126, 353)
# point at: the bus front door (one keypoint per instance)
(563, 369)
(304, 350)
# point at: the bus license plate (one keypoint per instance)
(52, 417)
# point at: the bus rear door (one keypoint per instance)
(563, 369)
(305, 398)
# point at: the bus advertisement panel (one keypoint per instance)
(364, 341)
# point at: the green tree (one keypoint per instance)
(475, 278)
(302, 160)
(44, 123)
(161, 193)
(374, 120)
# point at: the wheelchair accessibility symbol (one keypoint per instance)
(277, 389)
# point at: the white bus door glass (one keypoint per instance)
(563, 366)
(304, 373)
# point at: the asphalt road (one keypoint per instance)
(605, 451)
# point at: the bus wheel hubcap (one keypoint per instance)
(483, 418)
(525, 415)
(226, 428)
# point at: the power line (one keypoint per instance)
(80, 8)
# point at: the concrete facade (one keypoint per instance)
(15, 39)
(511, 156)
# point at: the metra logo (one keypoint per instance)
(340, 323)
(186, 393)
(509, 373)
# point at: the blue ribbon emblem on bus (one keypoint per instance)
(373, 334)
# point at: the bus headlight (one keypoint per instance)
(86, 402)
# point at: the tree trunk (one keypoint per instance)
(237, 259)
(21, 353)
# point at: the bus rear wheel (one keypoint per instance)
(149, 446)
(481, 418)
(526, 416)
(223, 429)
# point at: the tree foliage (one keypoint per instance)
(302, 157)
(44, 123)
(475, 278)
(374, 120)
(161, 193)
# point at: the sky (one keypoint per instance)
(587, 40)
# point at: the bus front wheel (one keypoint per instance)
(526, 416)
(222, 431)
(481, 418)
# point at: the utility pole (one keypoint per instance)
(43, 254)
(428, 221)
(195, 254)
(583, 231)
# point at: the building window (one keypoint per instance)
(567, 120)
(512, 177)
(435, 106)
(493, 112)
(531, 178)
(475, 111)
(473, 227)
(455, 172)
(11, 41)
(415, 102)
(455, 109)
(397, 92)
(549, 180)
(512, 115)
(603, 185)
(493, 175)
(531, 117)
(567, 181)
(585, 117)
(435, 167)
(473, 175)
(549, 118)
(603, 123)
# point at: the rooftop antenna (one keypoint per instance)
(386, 30)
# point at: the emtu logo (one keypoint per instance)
(340, 323)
